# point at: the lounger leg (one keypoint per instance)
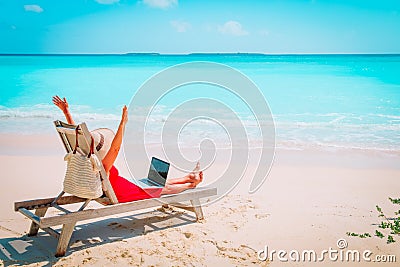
(64, 238)
(197, 209)
(34, 227)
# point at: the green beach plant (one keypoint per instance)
(389, 226)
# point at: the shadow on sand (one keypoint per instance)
(25, 250)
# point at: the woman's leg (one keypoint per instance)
(193, 177)
(176, 188)
(177, 185)
(196, 176)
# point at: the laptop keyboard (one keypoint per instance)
(149, 182)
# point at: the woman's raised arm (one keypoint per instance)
(112, 154)
(63, 105)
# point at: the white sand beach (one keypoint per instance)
(310, 199)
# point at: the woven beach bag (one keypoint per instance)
(82, 178)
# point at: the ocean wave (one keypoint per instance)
(389, 116)
(293, 131)
(343, 126)
(46, 111)
(302, 145)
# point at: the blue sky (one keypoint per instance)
(187, 26)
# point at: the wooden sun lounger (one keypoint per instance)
(68, 219)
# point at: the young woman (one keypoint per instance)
(108, 151)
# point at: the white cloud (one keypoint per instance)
(33, 8)
(180, 26)
(232, 28)
(161, 3)
(107, 2)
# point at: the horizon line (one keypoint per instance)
(197, 53)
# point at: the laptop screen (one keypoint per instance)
(158, 171)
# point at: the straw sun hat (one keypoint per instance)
(103, 138)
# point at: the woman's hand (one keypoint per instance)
(61, 103)
(124, 118)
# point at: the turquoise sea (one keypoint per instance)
(324, 101)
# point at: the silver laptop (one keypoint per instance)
(157, 176)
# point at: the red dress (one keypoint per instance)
(127, 191)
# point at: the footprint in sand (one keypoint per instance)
(117, 225)
(95, 240)
(88, 260)
(261, 216)
(188, 235)
(242, 254)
